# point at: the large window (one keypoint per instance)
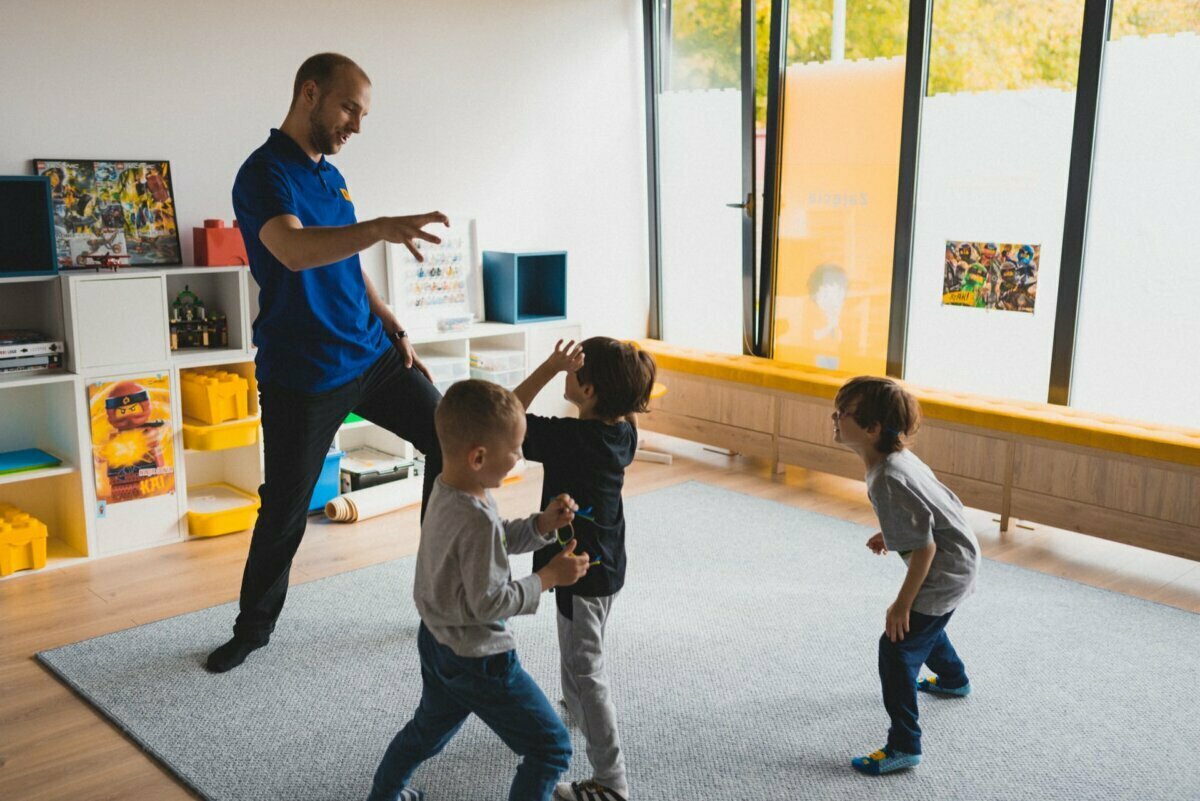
(704, 167)
(992, 172)
(1136, 349)
(839, 162)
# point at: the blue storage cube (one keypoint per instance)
(524, 287)
(328, 482)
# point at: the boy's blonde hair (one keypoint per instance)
(621, 374)
(883, 402)
(475, 412)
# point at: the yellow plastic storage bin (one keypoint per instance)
(216, 509)
(213, 396)
(236, 433)
(22, 541)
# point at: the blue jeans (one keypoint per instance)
(899, 662)
(503, 695)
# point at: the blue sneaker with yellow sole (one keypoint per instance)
(885, 760)
(933, 686)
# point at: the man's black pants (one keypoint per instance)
(298, 428)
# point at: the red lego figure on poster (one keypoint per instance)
(214, 245)
(134, 451)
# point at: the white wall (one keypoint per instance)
(526, 114)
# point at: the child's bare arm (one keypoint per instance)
(567, 358)
(919, 561)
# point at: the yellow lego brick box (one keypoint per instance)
(22, 541)
(214, 396)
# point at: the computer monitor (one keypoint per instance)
(27, 241)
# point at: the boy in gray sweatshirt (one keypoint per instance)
(464, 592)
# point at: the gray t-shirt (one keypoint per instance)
(914, 508)
(463, 589)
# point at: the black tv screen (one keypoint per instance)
(26, 226)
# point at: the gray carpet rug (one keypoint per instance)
(742, 654)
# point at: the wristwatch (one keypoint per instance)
(398, 335)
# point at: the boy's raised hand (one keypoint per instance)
(558, 513)
(565, 358)
(566, 568)
(876, 544)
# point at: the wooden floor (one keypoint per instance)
(54, 746)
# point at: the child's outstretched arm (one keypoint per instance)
(896, 624)
(536, 531)
(565, 358)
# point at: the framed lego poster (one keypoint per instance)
(985, 275)
(112, 212)
(132, 438)
(443, 292)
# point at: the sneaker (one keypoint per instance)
(409, 794)
(930, 685)
(885, 760)
(590, 790)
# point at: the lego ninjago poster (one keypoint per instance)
(132, 436)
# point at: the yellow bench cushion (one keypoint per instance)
(1044, 420)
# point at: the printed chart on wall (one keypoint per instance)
(985, 275)
(444, 291)
(119, 209)
(132, 438)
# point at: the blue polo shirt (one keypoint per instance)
(315, 330)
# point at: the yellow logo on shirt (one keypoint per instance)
(345, 193)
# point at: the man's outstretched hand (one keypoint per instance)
(406, 230)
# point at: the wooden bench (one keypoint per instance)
(1126, 481)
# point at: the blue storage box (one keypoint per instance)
(328, 483)
(524, 287)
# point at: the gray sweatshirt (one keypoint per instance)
(464, 588)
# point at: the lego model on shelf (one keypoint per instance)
(192, 326)
(27, 351)
(214, 245)
(22, 541)
(112, 208)
(26, 460)
(27, 226)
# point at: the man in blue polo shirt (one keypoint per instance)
(327, 345)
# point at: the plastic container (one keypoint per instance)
(367, 467)
(497, 360)
(22, 541)
(213, 396)
(234, 434)
(327, 483)
(506, 378)
(446, 369)
(216, 509)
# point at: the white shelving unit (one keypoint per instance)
(116, 326)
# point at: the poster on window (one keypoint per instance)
(985, 275)
(132, 437)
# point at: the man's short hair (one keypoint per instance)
(321, 68)
(475, 412)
